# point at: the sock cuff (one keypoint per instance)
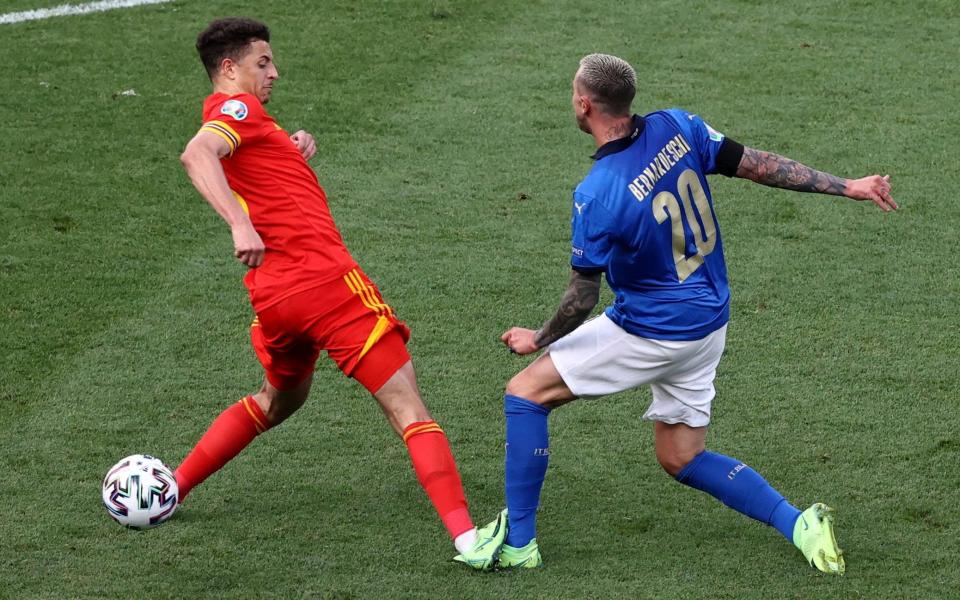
(687, 471)
(457, 521)
(420, 427)
(515, 405)
(256, 415)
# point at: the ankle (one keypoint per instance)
(466, 540)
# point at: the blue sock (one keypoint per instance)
(741, 488)
(527, 457)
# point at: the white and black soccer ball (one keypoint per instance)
(140, 492)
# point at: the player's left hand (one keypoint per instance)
(520, 341)
(874, 188)
(305, 143)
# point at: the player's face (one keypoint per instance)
(580, 106)
(256, 72)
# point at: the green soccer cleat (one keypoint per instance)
(813, 535)
(527, 557)
(483, 555)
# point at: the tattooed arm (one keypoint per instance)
(781, 172)
(581, 296)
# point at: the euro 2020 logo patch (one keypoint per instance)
(234, 108)
(714, 134)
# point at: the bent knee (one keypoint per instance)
(529, 388)
(277, 407)
(519, 385)
(674, 461)
(541, 384)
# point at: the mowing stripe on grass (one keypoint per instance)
(66, 10)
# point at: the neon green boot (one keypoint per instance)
(527, 557)
(813, 535)
(483, 555)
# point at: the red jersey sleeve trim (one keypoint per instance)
(229, 134)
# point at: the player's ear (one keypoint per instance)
(228, 68)
(585, 105)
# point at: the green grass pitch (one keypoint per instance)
(448, 150)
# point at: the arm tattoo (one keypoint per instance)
(581, 296)
(781, 172)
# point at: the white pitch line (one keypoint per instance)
(65, 10)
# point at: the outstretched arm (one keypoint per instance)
(781, 172)
(581, 296)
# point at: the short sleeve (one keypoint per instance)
(706, 140)
(593, 228)
(238, 120)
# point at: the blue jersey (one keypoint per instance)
(644, 216)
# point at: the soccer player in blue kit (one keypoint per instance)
(644, 217)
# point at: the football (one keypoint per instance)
(140, 492)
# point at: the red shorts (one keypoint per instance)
(346, 317)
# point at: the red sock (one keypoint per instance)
(437, 473)
(229, 433)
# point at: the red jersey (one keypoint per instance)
(283, 198)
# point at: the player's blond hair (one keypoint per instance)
(610, 82)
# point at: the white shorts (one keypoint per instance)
(600, 358)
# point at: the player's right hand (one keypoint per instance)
(520, 340)
(874, 188)
(247, 245)
(305, 143)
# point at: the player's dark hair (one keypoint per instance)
(228, 38)
(610, 81)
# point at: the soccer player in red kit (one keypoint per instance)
(307, 291)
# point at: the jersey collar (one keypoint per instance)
(622, 143)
